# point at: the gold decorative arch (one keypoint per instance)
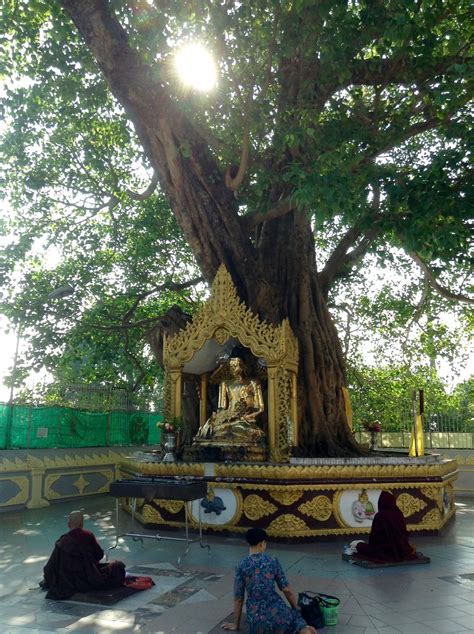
(224, 316)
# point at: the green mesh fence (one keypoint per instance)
(25, 427)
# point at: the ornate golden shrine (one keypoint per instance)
(225, 316)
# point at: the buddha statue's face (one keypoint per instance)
(236, 366)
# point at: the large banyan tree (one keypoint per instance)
(329, 115)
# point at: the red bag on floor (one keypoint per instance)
(139, 583)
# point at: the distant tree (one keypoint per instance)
(385, 394)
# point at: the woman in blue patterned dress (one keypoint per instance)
(267, 613)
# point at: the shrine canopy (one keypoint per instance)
(223, 322)
(207, 358)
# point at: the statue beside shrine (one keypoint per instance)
(239, 405)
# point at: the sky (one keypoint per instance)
(7, 347)
(6, 358)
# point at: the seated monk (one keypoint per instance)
(74, 564)
(388, 539)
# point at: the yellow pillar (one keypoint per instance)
(202, 400)
(36, 500)
(347, 406)
(294, 407)
(272, 436)
(177, 387)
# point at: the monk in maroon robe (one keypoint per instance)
(74, 564)
(388, 540)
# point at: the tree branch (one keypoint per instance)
(147, 192)
(126, 324)
(414, 130)
(281, 209)
(338, 258)
(378, 71)
(417, 312)
(433, 282)
(341, 258)
(135, 360)
(235, 182)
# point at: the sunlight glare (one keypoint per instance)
(34, 559)
(195, 67)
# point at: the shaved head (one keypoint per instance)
(76, 519)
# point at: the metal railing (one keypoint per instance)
(441, 431)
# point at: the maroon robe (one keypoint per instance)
(388, 540)
(74, 567)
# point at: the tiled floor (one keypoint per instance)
(197, 596)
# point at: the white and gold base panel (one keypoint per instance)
(296, 501)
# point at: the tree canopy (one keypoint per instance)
(341, 129)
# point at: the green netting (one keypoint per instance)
(25, 427)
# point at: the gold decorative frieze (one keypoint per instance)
(62, 461)
(431, 492)
(408, 504)
(288, 524)
(320, 507)
(432, 517)
(151, 515)
(172, 506)
(162, 468)
(286, 496)
(224, 315)
(284, 428)
(450, 494)
(450, 491)
(256, 507)
(336, 472)
(13, 465)
(221, 335)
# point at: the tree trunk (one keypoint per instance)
(275, 275)
(291, 289)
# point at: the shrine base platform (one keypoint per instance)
(306, 498)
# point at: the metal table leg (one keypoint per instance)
(117, 533)
(157, 536)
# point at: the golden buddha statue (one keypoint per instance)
(240, 402)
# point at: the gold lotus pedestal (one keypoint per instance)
(305, 499)
(211, 451)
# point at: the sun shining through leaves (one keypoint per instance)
(195, 67)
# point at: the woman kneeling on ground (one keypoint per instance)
(267, 612)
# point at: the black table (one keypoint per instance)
(151, 488)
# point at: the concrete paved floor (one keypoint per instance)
(197, 596)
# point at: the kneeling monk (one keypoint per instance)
(388, 539)
(74, 564)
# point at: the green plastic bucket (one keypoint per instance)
(329, 608)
